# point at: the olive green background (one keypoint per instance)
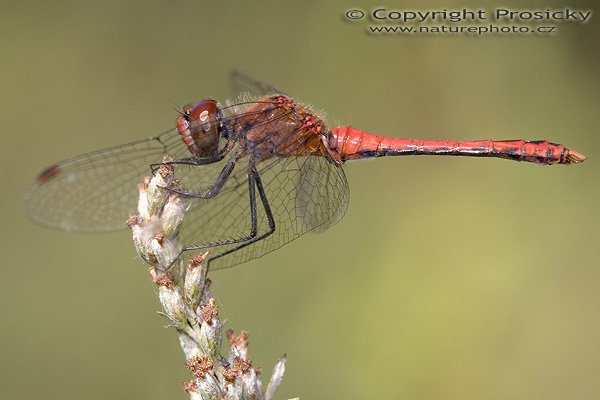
(449, 278)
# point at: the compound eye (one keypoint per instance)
(203, 111)
(203, 121)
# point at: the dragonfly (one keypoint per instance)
(260, 172)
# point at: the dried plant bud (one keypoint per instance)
(276, 377)
(166, 169)
(239, 345)
(166, 253)
(229, 374)
(241, 365)
(161, 278)
(195, 391)
(170, 298)
(143, 204)
(135, 222)
(235, 340)
(172, 214)
(199, 366)
(143, 231)
(160, 237)
(157, 190)
(210, 330)
(252, 385)
(209, 312)
(190, 387)
(194, 279)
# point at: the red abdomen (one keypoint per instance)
(350, 144)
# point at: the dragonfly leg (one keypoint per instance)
(189, 161)
(253, 222)
(270, 218)
(254, 183)
(214, 189)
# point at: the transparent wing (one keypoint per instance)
(322, 194)
(304, 194)
(242, 83)
(97, 191)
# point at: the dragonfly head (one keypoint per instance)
(200, 127)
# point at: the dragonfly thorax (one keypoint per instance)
(277, 126)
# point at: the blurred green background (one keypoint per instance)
(449, 278)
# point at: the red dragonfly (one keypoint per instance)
(259, 173)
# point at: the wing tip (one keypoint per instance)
(48, 174)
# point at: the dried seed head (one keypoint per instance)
(161, 214)
(241, 365)
(235, 340)
(229, 374)
(170, 298)
(276, 377)
(143, 205)
(190, 387)
(166, 169)
(209, 312)
(134, 221)
(157, 191)
(161, 278)
(159, 236)
(239, 345)
(194, 279)
(172, 214)
(167, 253)
(199, 366)
(210, 330)
(252, 385)
(197, 260)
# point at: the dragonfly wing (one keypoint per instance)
(97, 191)
(304, 194)
(323, 194)
(242, 83)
